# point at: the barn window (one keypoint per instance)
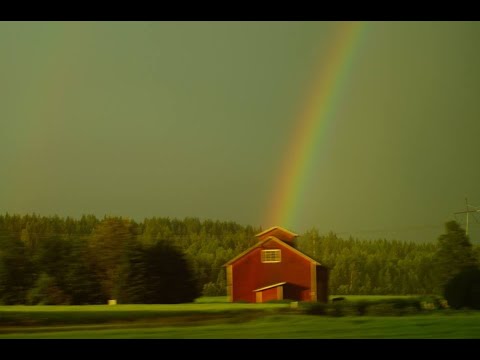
(271, 256)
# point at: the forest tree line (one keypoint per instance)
(54, 260)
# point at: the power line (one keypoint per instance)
(402, 229)
(468, 212)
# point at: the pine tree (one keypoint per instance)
(82, 284)
(108, 249)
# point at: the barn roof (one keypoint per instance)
(278, 232)
(270, 286)
(259, 244)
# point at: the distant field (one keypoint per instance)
(212, 299)
(370, 297)
(219, 299)
(214, 317)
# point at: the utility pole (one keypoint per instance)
(468, 211)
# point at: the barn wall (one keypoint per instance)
(249, 273)
(229, 283)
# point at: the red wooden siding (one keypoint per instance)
(269, 294)
(249, 273)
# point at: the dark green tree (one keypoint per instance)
(52, 258)
(81, 280)
(133, 275)
(16, 272)
(168, 276)
(454, 254)
(463, 289)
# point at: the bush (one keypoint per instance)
(316, 309)
(336, 309)
(395, 307)
(463, 290)
(409, 303)
(361, 307)
(384, 307)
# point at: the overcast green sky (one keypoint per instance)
(191, 119)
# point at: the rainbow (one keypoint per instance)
(311, 125)
(44, 102)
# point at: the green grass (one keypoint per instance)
(41, 315)
(213, 317)
(212, 299)
(459, 325)
(371, 297)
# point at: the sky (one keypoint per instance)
(198, 119)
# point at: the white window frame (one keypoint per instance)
(274, 256)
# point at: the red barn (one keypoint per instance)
(274, 269)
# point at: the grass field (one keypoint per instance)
(278, 326)
(215, 318)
